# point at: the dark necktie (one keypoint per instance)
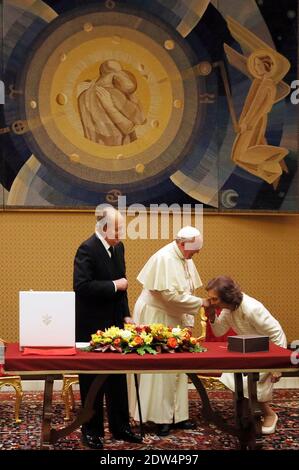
(111, 251)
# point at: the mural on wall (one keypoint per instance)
(251, 150)
(158, 101)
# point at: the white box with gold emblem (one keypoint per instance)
(47, 318)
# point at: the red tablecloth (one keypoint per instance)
(217, 357)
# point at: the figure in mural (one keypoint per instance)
(109, 109)
(266, 67)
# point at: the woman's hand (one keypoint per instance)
(275, 377)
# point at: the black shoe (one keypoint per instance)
(163, 429)
(128, 436)
(185, 425)
(93, 441)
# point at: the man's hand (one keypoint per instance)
(209, 310)
(129, 320)
(205, 303)
(121, 284)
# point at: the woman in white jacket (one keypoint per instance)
(245, 315)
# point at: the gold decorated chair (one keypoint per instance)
(209, 382)
(15, 382)
(67, 394)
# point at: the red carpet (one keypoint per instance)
(27, 434)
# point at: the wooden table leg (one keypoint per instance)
(246, 411)
(47, 412)
(256, 441)
(85, 413)
(210, 415)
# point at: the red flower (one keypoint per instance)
(117, 342)
(138, 340)
(140, 328)
(172, 343)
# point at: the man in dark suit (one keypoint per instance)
(101, 301)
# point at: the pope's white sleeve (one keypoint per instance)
(221, 324)
(265, 324)
(182, 303)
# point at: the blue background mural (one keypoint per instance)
(148, 99)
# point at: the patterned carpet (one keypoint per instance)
(26, 435)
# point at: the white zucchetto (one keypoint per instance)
(188, 232)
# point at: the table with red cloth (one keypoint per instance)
(216, 359)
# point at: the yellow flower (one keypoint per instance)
(130, 326)
(112, 332)
(147, 338)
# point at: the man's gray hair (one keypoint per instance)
(106, 216)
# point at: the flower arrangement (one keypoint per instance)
(153, 339)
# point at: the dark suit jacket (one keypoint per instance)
(98, 306)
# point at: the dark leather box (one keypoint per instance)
(248, 343)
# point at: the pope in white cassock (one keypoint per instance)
(169, 279)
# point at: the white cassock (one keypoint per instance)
(168, 281)
(250, 318)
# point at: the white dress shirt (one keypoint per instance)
(106, 246)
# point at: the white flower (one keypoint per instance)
(126, 334)
(176, 331)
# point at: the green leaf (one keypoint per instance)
(150, 350)
(197, 349)
(140, 351)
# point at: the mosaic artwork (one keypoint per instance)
(160, 101)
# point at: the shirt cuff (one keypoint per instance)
(115, 286)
